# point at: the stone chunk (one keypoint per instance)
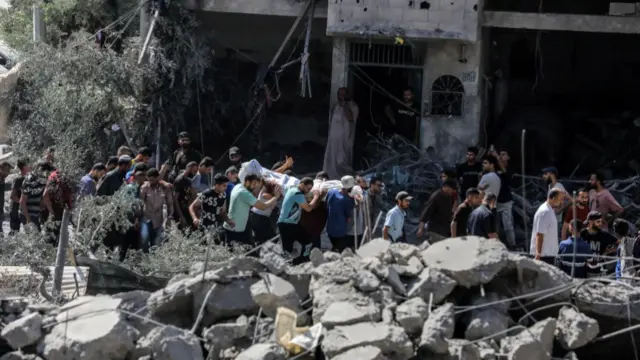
(412, 268)
(325, 292)
(265, 351)
(223, 335)
(299, 276)
(272, 256)
(412, 314)
(226, 301)
(90, 328)
(536, 343)
(170, 343)
(462, 350)
(362, 353)
(390, 339)
(339, 271)
(19, 355)
(272, 292)
(23, 332)
(374, 248)
(366, 281)
(469, 260)
(437, 330)
(402, 252)
(488, 320)
(431, 281)
(575, 329)
(347, 313)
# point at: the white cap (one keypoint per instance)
(356, 191)
(348, 182)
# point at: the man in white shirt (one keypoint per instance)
(544, 234)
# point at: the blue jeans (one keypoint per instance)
(149, 236)
(505, 212)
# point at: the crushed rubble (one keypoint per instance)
(457, 302)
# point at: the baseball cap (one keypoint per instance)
(550, 169)
(403, 195)
(593, 215)
(234, 151)
(124, 159)
(183, 135)
(348, 182)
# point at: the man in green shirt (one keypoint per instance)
(240, 203)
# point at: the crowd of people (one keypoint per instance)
(475, 199)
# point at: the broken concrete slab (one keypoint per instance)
(535, 276)
(24, 331)
(402, 252)
(469, 260)
(343, 313)
(339, 271)
(412, 268)
(366, 281)
(535, 343)
(412, 314)
(437, 330)
(89, 327)
(223, 335)
(265, 351)
(390, 339)
(463, 350)
(488, 320)
(431, 282)
(615, 300)
(19, 355)
(225, 302)
(272, 292)
(273, 258)
(374, 248)
(325, 292)
(299, 276)
(170, 343)
(362, 353)
(575, 329)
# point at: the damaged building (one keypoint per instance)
(481, 71)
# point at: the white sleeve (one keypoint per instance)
(536, 224)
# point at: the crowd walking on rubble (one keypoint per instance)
(474, 199)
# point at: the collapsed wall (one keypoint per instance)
(460, 299)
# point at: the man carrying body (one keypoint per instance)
(464, 210)
(582, 210)
(438, 213)
(404, 117)
(208, 210)
(393, 228)
(183, 195)
(154, 195)
(602, 244)
(314, 221)
(339, 210)
(338, 156)
(291, 234)
(601, 200)
(544, 234)
(469, 171)
(482, 221)
(240, 203)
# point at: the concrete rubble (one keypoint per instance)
(453, 300)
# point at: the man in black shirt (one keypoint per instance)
(208, 210)
(184, 194)
(16, 192)
(404, 117)
(438, 212)
(115, 178)
(469, 171)
(482, 221)
(602, 243)
(180, 158)
(505, 199)
(461, 216)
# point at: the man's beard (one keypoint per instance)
(185, 146)
(583, 203)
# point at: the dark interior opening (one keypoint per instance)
(579, 105)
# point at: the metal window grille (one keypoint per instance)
(392, 55)
(447, 96)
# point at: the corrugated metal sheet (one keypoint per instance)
(70, 276)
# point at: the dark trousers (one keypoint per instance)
(262, 227)
(239, 238)
(551, 260)
(14, 218)
(339, 243)
(290, 234)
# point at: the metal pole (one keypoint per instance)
(148, 37)
(289, 34)
(575, 236)
(61, 256)
(304, 68)
(524, 190)
(38, 24)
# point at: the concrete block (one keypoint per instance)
(415, 15)
(399, 4)
(452, 5)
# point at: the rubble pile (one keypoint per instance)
(461, 299)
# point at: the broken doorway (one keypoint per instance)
(378, 76)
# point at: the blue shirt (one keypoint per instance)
(87, 186)
(291, 210)
(230, 186)
(339, 210)
(395, 221)
(565, 253)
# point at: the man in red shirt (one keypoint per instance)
(582, 210)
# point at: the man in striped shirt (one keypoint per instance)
(32, 191)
